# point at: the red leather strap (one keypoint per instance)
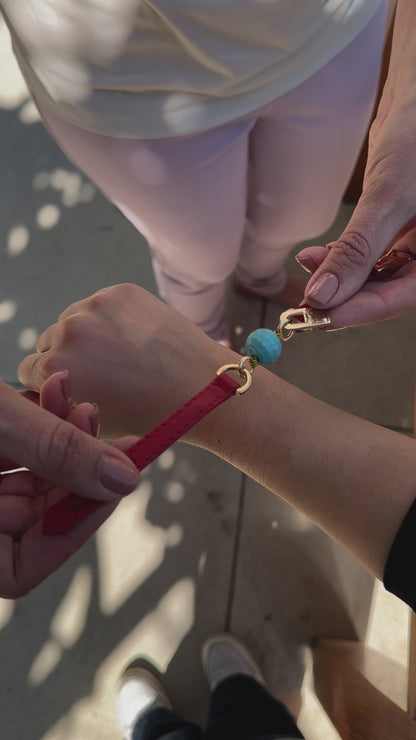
(61, 517)
(149, 447)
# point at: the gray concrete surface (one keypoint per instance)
(199, 548)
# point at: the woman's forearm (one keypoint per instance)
(354, 479)
(400, 84)
(139, 360)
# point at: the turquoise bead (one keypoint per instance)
(264, 345)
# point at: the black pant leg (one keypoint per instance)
(161, 723)
(242, 709)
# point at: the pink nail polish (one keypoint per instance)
(323, 289)
(307, 263)
(117, 476)
(94, 419)
(66, 385)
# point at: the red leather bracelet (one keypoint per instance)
(61, 517)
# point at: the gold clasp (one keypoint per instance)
(390, 261)
(300, 319)
(244, 372)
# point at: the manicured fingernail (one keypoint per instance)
(94, 419)
(117, 476)
(324, 288)
(66, 385)
(307, 263)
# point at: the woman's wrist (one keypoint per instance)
(232, 430)
(206, 433)
(352, 478)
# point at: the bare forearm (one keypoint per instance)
(400, 86)
(354, 479)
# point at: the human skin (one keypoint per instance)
(141, 360)
(386, 212)
(56, 441)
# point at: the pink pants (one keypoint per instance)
(238, 197)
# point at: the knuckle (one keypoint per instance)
(102, 303)
(77, 306)
(352, 249)
(100, 300)
(129, 288)
(75, 328)
(97, 301)
(48, 366)
(31, 371)
(123, 292)
(57, 449)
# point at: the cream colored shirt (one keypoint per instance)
(158, 68)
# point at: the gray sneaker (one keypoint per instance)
(223, 655)
(138, 691)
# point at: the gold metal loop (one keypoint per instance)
(243, 372)
(252, 361)
(281, 331)
(301, 319)
(390, 261)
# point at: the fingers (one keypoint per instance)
(31, 396)
(124, 442)
(380, 217)
(78, 462)
(27, 563)
(377, 301)
(6, 464)
(85, 416)
(56, 348)
(81, 306)
(45, 340)
(340, 275)
(22, 502)
(35, 369)
(343, 271)
(311, 258)
(406, 239)
(21, 483)
(16, 515)
(31, 371)
(72, 309)
(55, 394)
(56, 450)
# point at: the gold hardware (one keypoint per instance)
(300, 319)
(243, 372)
(390, 261)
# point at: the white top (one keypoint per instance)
(158, 68)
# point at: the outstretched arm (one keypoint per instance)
(140, 360)
(386, 212)
(354, 479)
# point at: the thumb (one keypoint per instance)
(350, 258)
(56, 450)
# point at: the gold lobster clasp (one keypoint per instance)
(300, 319)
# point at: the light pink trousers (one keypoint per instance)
(239, 196)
